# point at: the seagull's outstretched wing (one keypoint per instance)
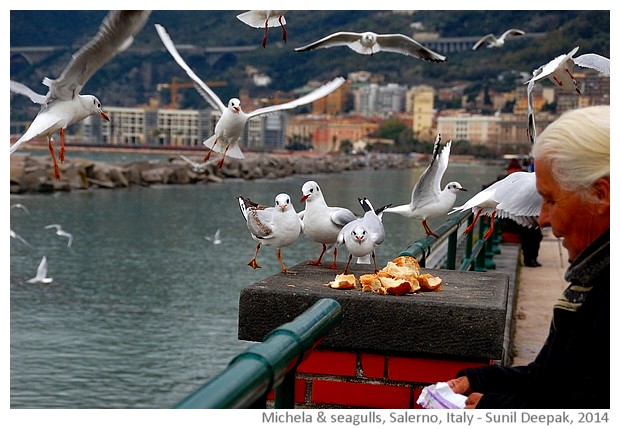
(593, 61)
(115, 34)
(512, 32)
(20, 88)
(484, 40)
(428, 186)
(318, 93)
(341, 38)
(202, 87)
(401, 44)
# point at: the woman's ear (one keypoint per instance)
(601, 190)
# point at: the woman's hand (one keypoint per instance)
(460, 385)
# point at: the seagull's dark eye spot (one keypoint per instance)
(288, 201)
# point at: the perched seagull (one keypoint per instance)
(230, 126)
(197, 167)
(493, 42)
(427, 198)
(216, 239)
(560, 72)
(64, 105)
(20, 206)
(369, 43)
(61, 232)
(363, 235)
(41, 276)
(19, 237)
(264, 18)
(277, 226)
(322, 223)
(514, 197)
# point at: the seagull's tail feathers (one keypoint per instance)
(231, 149)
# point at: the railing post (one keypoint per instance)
(285, 392)
(451, 256)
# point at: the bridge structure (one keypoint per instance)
(446, 45)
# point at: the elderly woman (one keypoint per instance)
(572, 368)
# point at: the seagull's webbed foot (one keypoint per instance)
(253, 262)
(428, 230)
(334, 265)
(284, 269)
(318, 261)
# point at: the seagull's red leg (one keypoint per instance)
(334, 266)
(318, 261)
(283, 29)
(559, 82)
(346, 268)
(428, 230)
(265, 36)
(374, 258)
(284, 269)
(51, 148)
(208, 155)
(253, 262)
(61, 155)
(491, 228)
(470, 227)
(221, 161)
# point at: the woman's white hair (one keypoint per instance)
(576, 147)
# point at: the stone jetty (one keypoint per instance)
(33, 174)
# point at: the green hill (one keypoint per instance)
(132, 78)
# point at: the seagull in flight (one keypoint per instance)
(19, 237)
(363, 235)
(197, 167)
(514, 197)
(216, 239)
(63, 105)
(61, 232)
(264, 18)
(494, 42)
(560, 71)
(41, 276)
(322, 223)
(230, 126)
(277, 226)
(20, 206)
(369, 43)
(428, 200)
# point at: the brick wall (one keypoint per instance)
(344, 379)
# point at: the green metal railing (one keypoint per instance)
(478, 254)
(269, 365)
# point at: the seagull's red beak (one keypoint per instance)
(304, 198)
(236, 109)
(104, 116)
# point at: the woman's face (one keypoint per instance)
(579, 222)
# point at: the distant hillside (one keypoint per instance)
(131, 79)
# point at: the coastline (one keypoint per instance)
(30, 173)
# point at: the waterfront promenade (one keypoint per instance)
(537, 290)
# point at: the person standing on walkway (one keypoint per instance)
(572, 369)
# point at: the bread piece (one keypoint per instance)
(413, 281)
(429, 282)
(395, 286)
(371, 283)
(407, 261)
(343, 281)
(400, 270)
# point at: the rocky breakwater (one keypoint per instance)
(32, 174)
